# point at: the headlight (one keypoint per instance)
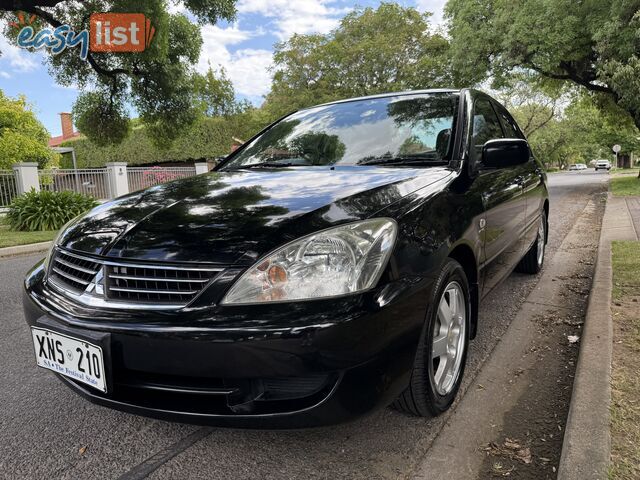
(338, 261)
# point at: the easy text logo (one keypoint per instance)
(108, 32)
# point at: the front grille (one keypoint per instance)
(73, 272)
(103, 282)
(153, 285)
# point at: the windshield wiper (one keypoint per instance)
(402, 160)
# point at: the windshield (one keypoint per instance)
(381, 130)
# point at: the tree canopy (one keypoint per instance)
(215, 94)
(579, 133)
(592, 43)
(372, 51)
(157, 82)
(22, 137)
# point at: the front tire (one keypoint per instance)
(442, 352)
(534, 259)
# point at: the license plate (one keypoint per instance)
(71, 357)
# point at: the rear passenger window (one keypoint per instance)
(486, 126)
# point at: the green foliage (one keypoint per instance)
(206, 138)
(104, 122)
(22, 137)
(46, 210)
(158, 81)
(593, 44)
(372, 51)
(583, 132)
(215, 94)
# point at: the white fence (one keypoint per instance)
(93, 182)
(140, 178)
(101, 183)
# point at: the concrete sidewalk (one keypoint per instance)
(587, 441)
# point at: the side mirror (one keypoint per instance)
(505, 152)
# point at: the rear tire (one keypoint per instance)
(442, 352)
(534, 259)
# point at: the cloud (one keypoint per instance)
(19, 60)
(434, 6)
(247, 68)
(73, 87)
(174, 7)
(297, 16)
(4, 74)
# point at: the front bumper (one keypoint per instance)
(279, 366)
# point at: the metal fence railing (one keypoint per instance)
(8, 187)
(90, 181)
(144, 177)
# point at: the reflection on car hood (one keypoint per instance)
(231, 217)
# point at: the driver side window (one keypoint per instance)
(486, 126)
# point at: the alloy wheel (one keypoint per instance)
(541, 241)
(449, 338)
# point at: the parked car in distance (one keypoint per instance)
(603, 165)
(331, 265)
(578, 167)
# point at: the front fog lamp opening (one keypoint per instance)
(334, 262)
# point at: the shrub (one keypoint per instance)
(206, 138)
(45, 210)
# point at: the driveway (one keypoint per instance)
(47, 431)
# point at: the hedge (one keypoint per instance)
(207, 138)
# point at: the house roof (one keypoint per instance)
(57, 141)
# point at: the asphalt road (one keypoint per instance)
(47, 431)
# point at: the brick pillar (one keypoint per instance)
(67, 125)
(26, 177)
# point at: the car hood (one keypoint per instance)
(235, 217)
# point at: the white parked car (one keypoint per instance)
(577, 167)
(603, 165)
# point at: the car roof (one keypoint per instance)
(390, 94)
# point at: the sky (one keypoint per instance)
(244, 48)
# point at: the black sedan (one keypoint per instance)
(332, 265)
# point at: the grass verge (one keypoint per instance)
(624, 185)
(625, 382)
(9, 238)
(625, 171)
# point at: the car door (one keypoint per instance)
(532, 175)
(502, 197)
